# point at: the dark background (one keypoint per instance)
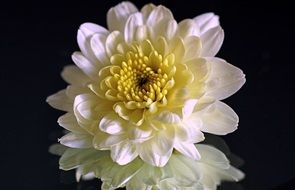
(38, 37)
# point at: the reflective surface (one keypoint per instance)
(38, 37)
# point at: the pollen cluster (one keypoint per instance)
(143, 77)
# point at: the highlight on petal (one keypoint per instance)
(123, 152)
(206, 21)
(212, 41)
(224, 79)
(60, 101)
(118, 15)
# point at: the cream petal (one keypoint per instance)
(199, 67)
(192, 129)
(187, 28)
(74, 140)
(60, 101)
(212, 156)
(224, 79)
(187, 149)
(112, 42)
(85, 65)
(85, 32)
(206, 21)
(68, 121)
(73, 75)
(146, 10)
(123, 152)
(193, 48)
(118, 15)
(164, 28)
(212, 41)
(219, 119)
(97, 43)
(168, 117)
(57, 149)
(135, 20)
(157, 14)
(188, 108)
(111, 124)
(72, 158)
(147, 154)
(232, 174)
(141, 133)
(103, 141)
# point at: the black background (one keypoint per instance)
(37, 39)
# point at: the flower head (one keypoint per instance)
(147, 86)
(180, 172)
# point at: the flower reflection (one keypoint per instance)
(180, 172)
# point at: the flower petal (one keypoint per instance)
(146, 154)
(188, 108)
(219, 119)
(69, 122)
(97, 43)
(187, 149)
(187, 28)
(73, 75)
(85, 65)
(60, 101)
(74, 140)
(212, 41)
(118, 15)
(224, 79)
(110, 124)
(135, 20)
(112, 42)
(124, 152)
(206, 21)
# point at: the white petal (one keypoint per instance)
(60, 101)
(224, 79)
(97, 44)
(85, 65)
(168, 117)
(158, 13)
(187, 149)
(69, 122)
(134, 21)
(219, 119)
(124, 152)
(212, 156)
(85, 32)
(118, 15)
(188, 108)
(187, 28)
(112, 42)
(73, 75)
(206, 21)
(111, 124)
(146, 10)
(146, 154)
(104, 141)
(76, 140)
(212, 41)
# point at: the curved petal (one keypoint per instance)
(60, 101)
(85, 65)
(73, 75)
(187, 149)
(112, 42)
(146, 10)
(187, 28)
(219, 119)
(118, 15)
(97, 43)
(111, 124)
(123, 152)
(224, 79)
(134, 21)
(74, 140)
(212, 41)
(146, 154)
(69, 122)
(206, 21)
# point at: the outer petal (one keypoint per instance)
(206, 21)
(76, 140)
(224, 79)
(88, 67)
(134, 21)
(60, 101)
(212, 41)
(69, 122)
(118, 15)
(73, 75)
(187, 149)
(217, 119)
(124, 152)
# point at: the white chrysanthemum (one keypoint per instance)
(180, 173)
(147, 85)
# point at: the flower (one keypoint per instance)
(180, 172)
(147, 86)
